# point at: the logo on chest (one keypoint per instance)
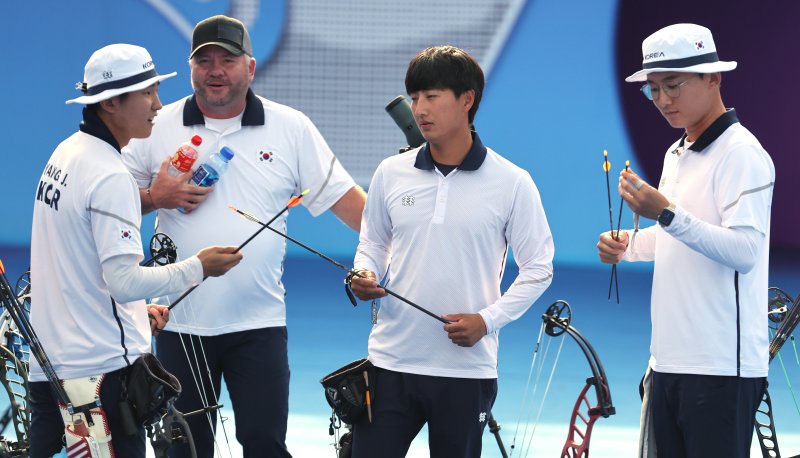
(407, 201)
(266, 156)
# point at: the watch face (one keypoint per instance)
(665, 218)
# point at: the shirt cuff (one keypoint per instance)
(488, 321)
(679, 222)
(195, 270)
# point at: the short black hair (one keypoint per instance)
(446, 67)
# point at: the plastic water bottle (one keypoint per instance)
(209, 172)
(183, 159)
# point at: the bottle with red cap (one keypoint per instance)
(184, 158)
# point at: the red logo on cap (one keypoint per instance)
(698, 45)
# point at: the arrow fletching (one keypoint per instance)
(295, 200)
(246, 215)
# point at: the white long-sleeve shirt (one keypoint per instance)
(709, 298)
(87, 290)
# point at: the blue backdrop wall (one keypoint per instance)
(554, 98)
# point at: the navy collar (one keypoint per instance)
(473, 160)
(94, 126)
(713, 131)
(253, 111)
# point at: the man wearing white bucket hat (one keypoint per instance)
(85, 249)
(709, 355)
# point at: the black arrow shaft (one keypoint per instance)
(183, 296)
(343, 267)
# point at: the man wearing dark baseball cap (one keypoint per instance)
(223, 31)
(709, 346)
(240, 324)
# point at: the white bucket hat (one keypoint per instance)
(686, 48)
(117, 69)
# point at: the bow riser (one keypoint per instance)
(579, 447)
(767, 437)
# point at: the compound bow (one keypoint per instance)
(784, 315)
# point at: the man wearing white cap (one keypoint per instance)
(709, 355)
(278, 152)
(85, 249)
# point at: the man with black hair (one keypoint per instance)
(438, 224)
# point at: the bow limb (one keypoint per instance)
(555, 322)
(582, 421)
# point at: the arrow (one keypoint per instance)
(293, 202)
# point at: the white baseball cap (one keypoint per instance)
(686, 48)
(117, 69)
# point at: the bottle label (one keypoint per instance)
(205, 176)
(184, 159)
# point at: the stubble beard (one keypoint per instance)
(235, 92)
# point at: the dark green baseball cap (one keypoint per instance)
(223, 31)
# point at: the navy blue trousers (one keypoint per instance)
(255, 365)
(455, 409)
(704, 416)
(47, 426)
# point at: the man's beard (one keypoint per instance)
(234, 93)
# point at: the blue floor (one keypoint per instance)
(325, 332)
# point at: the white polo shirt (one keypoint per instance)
(444, 241)
(707, 317)
(278, 152)
(86, 211)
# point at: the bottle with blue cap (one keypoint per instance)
(209, 172)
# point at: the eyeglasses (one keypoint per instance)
(653, 92)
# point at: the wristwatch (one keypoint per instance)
(666, 215)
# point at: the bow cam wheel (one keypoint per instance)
(163, 249)
(23, 288)
(557, 318)
(778, 306)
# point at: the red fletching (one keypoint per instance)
(294, 201)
